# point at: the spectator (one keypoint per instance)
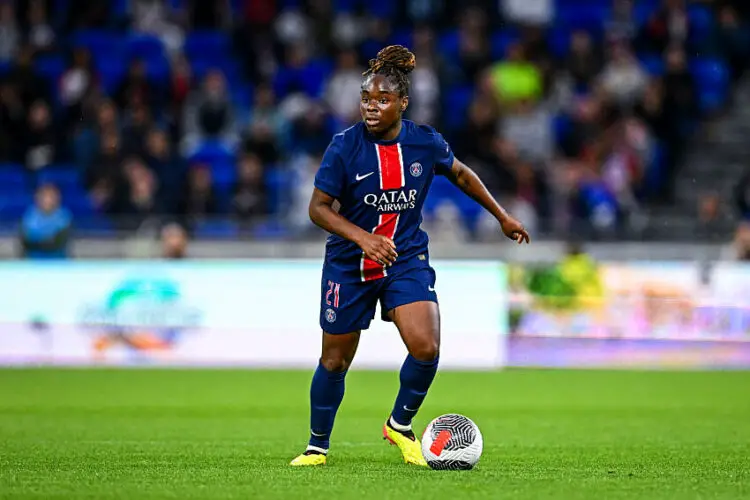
(198, 198)
(515, 78)
(174, 241)
(742, 196)
(87, 139)
(311, 132)
(528, 12)
(41, 145)
(249, 197)
(167, 166)
(40, 35)
(137, 124)
(106, 165)
(342, 90)
(267, 127)
(425, 86)
(473, 45)
(710, 217)
(622, 27)
(529, 127)
(75, 84)
(623, 79)
(12, 122)
(153, 17)
(135, 89)
(742, 242)
(179, 89)
(136, 199)
(583, 63)
(208, 113)
(29, 85)
(10, 35)
(669, 26)
(45, 228)
(734, 40)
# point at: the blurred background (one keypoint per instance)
(604, 120)
(616, 130)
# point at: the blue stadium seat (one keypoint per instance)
(402, 37)
(207, 45)
(50, 67)
(456, 102)
(212, 152)
(382, 8)
(279, 184)
(65, 178)
(146, 47)
(13, 178)
(93, 224)
(14, 204)
(271, 230)
(449, 45)
(701, 22)
(220, 229)
(101, 44)
(224, 174)
(500, 41)
(586, 15)
(228, 67)
(558, 41)
(111, 71)
(710, 74)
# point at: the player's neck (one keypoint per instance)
(391, 133)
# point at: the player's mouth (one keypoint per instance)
(372, 121)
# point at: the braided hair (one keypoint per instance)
(396, 62)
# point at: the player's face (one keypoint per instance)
(380, 104)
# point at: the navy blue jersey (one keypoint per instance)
(381, 186)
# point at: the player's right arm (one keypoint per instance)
(330, 183)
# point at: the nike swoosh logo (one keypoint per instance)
(360, 177)
(316, 434)
(408, 409)
(430, 288)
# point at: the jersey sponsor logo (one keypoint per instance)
(415, 169)
(359, 177)
(330, 315)
(392, 201)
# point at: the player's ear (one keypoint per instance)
(404, 103)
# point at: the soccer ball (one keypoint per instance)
(452, 442)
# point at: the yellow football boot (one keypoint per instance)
(410, 447)
(309, 459)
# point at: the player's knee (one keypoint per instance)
(426, 350)
(335, 363)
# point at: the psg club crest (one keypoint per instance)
(330, 315)
(415, 169)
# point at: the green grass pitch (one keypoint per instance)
(229, 434)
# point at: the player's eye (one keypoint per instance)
(384, 101)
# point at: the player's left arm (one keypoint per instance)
(469, 182)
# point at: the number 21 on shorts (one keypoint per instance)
(332, 295)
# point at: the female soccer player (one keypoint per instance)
(380, 171)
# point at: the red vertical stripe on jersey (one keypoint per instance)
(387, 225)
(391, 166)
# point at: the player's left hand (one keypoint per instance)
(514, 230)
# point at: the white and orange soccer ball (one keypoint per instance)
(452, 442)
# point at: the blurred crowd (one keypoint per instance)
(214, 115)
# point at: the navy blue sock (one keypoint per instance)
(416, 377)
(326, 393)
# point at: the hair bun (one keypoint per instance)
(394, 56)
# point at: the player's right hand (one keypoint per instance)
(379, 248)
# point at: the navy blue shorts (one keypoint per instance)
(347, 307)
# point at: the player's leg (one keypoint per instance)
(327, 387)
(411, 303)
(346, 309)
(419, 326)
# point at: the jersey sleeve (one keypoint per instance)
(443, 155)
(331, 176)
